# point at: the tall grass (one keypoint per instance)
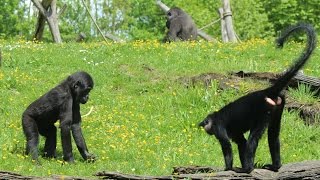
(143, 121)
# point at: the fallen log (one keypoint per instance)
(13, 176)
(300, 78)
(310, 113)
(299, 170)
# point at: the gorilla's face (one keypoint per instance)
(84, 96)
(82, 87)
(172, 13)
(82, 92)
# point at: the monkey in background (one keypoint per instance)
(180, 26)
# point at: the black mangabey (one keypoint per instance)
(181, 26)
(60, 103)
(257, 111)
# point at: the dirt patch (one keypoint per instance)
(224, 81)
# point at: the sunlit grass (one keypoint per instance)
(143, 120)
(304, 94)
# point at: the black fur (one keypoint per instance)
(60, 103)
(252, 112)
(181, 26)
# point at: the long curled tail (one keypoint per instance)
(282, 82)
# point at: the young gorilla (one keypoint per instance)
(255, 112)
(181, 26)
(63, 103)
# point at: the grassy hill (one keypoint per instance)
(143, 120)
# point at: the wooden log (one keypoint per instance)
(310, 113)
(206, 36)
(13, 176)
(195, 169)
(114, 38)
(300, 170)
(300, 78)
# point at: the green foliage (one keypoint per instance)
(286, 12)
(75, 18)
(144, 20)
(144, 121)
(304, 94)
(9, 18)
(251, 20)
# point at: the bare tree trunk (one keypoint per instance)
(53, 22)
(227, 16)
(201, 33)
(47, 12)
(41, 21)
(224, 33)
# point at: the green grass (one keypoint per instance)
(143, 120)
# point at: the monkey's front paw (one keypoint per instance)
(91, 158)
(271, 167)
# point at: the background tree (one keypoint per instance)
(75, 19)
(142, 19)
(284, 13)
(10, 18)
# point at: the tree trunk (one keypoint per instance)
(53, 22)
(227, 17)
(47, 12)
(41, 21)
(224, 34)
